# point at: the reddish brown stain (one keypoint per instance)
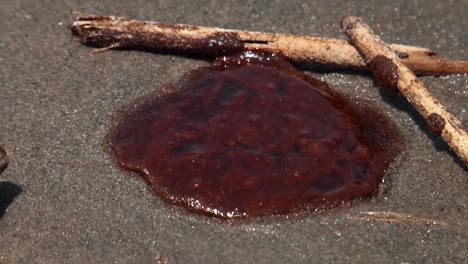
(431, 53)
(436, 123)
(402, 55)
(251, 136)
(386, 73)
(216, 44)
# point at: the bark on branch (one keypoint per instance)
(109, 32)
(391, 72)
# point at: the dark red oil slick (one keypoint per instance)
(251, 135)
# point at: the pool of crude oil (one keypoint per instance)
(251, 135)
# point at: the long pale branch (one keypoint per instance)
(109, 32)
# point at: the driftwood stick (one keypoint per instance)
(109, 32)
(390, 72)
